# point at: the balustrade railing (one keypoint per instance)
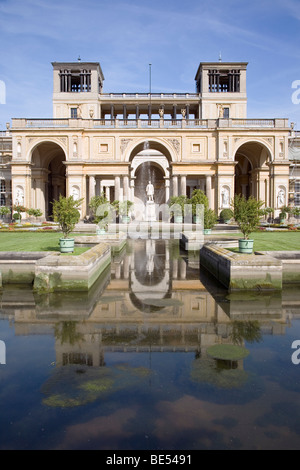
(47, 123)
(105, 96)
(150, 123)
(253, 123)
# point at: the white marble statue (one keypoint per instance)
(19, 201)
(280, 198)
(150, 191)
(75, 193)
(225, 197)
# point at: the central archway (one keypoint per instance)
(150, 161)
(154, 172)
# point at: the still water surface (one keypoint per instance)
(125, 367)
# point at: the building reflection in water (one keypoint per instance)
(152, 298)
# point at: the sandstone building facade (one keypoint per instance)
(115, 142)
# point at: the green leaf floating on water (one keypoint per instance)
(227, 352)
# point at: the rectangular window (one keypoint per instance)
(74, 113)
(226, 113)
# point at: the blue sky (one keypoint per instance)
(126, 35)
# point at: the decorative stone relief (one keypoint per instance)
(176, 144)
(63, 140)
(124, 143)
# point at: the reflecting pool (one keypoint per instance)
(127, 365)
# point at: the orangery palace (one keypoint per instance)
(115, 143)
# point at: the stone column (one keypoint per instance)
(167, 189)
(107, 193)
(175, 185)
(209, 191)
(183, 185)
(117, 188)
(40, 195)
(174, 111)
(126, 191)
(92, 187)
(97, 186)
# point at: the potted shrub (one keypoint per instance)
(283, 214)
(67, 215)
(176, 205)
(34, 213)
(124, 209)
(210, 220)
(18, 210)
(4, 211)
(247, 213)
(226, 215)
(198, 198)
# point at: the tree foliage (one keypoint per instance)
(247, 213)
(66, 213)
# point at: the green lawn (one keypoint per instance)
(276, 241)
(32, 241)
(49, 241)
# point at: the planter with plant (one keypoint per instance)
(226, 215)
(34, 213)
(176, 205)
(247, 214)
(210, 220)
(4, 211)
(284, 211)
(197, 200)
(18, 211)
(66, 214)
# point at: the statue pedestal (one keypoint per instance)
(150, 211)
